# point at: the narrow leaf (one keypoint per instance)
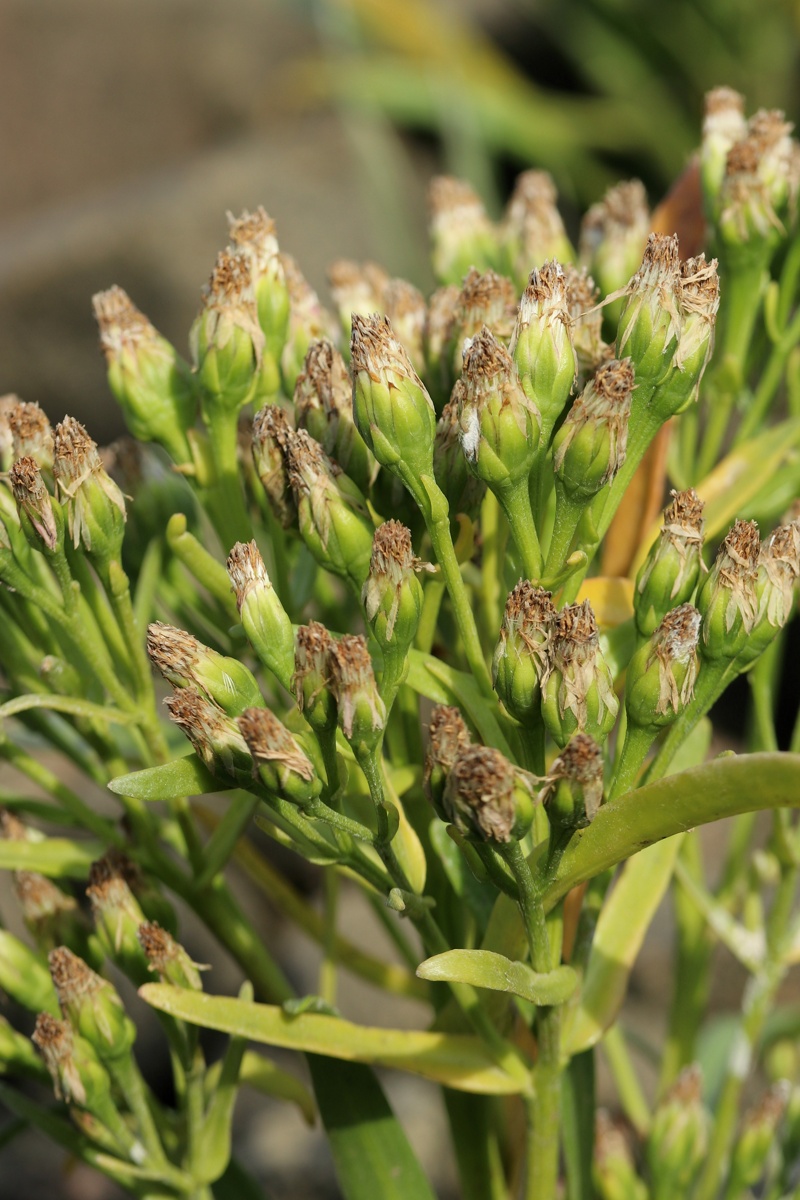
(458, 1060)
(485, 969)
(621, 928)
(264, 1076)
(74, 706)
(57, 858)
(371, 1152)
(723, 788)
(169, 781)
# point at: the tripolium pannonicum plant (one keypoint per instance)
(403, 571)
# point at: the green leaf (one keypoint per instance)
(443, 684)
(264, 1076)
(723, 788)
(73, 705)
(621, 928)
(169, 781)
(479, 898)
(458, 1060)
(578, 1100)
(57, 858)
(485, 969)
(371, 1152)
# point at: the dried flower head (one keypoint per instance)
(362, 713)
(573, 791)
(94, 505)
(486, 795)
(31, 434)
(34, 503)
(55, 1042)
(728, 599)
(392, 582)
(168, 958)
(462, 235)
(271, 434)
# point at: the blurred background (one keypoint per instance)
(130, 128)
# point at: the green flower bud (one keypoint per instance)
(82, 1081)
(487, 797)
(24, 977)
(94, 505)
(323, 403)
(392, 594)
(670, 573)
(778, 571)
(698, 299)
(614, 1171)
(280, 762)
(309, 322)
(153, 385)
(651, 321)
(591, 444)
(264, 619)
(489, 299)
(213, 734)
(521, 658)
(662, 673)
(312, 677)
(757, 1138)
(462, 236)
(448, 737)
(91, 1005)
(499, 425)
(41, 519)
(271, 434)
(50, 915)
(356, 288)
(226, 338)
(332, 513)
(392, 410)
(760, 179)
(541, 345)
(437, 339)
(573, 792)
(727, 598)
(723, 125)
(361, 711)
(7, 405)
(406, 310)
(463, 489)
(578, 694)
(154, 906)
(678, 1137)
(614, 233)
(168, 958)
(31, 435)
(253, 234)
(17, 1055)
(532, 229)
(186, 662)
(585, 323)
(117, 917)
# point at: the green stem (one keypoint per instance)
(568, 515)
(631, 1097)
(438, 523)
(227, 505)
(630, 760)
(544, 1108)
(743, 289)
(129, 1079)
(691, 981)
(327, 970)
(769, 382)
(516, 504)
(120, 593)
(431, 603)
(493, 532)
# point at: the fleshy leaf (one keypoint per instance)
(169, 781)
(723, 788)
(485, 969)
(57, 858)
(457, 1060)
(371, 1152)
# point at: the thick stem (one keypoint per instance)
(516, 504)
(544, 1108)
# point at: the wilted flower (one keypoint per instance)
(522, 656)
(487, 796)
